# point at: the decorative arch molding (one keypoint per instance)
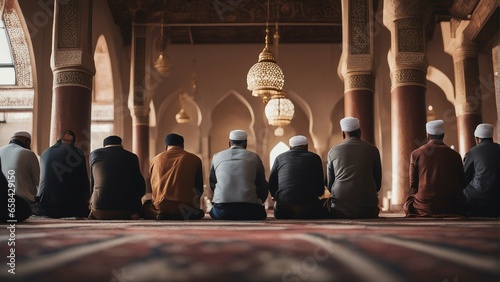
(304, 106)
(440, 79)
(173, 98)
(244, 102)
(18, 99)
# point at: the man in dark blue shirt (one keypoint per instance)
(64, 189)
(482, 172)
(297, 181)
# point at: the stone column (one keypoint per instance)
(468, 95)
(496, 71)
(73, 69)
(406, 19)
(139, 100)
(468, 104)
(357, 64)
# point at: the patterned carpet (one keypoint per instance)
(385, 249)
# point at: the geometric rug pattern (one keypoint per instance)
(385, 249)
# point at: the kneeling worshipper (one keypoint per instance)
(116, 181)
(297, 181)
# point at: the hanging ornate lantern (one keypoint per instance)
(279, 110)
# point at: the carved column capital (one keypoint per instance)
(357, 50)
(71, 61)
(359, 81)
(140, 115)
(407, 21)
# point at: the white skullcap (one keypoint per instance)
(435, 127)
(484, 130)
(22, 134)
(238, 135)
(298, 140)
(349, 124)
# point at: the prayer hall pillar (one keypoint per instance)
(406, 20)
(357, 64)
(73, 69)
(468, 105)
(496, 71)
(139, 99)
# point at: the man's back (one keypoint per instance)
(437, 177)
(116, 180)
(237, 173)
(297, 177)
(354, 176)
(26, 168)
(64, 182)
(176, 176)
(482, 172)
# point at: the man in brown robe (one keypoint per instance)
(436, 177)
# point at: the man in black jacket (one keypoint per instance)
(116, 180)
(297, 181)
(482, 172)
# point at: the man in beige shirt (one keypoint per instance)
(176, 183)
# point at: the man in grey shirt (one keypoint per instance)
(23, 164)
(354, 175)
(238, 181)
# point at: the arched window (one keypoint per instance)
(16, 75)
(278, 149)
(102, 96)
(7, 72)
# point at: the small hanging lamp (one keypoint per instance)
(162, 64)
(182, 116)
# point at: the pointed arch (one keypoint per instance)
(17, 93)
(278, 149)
(442, 81)
(166, 123)
(230, 112)
(102, 119)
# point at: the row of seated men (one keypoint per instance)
(59, 186)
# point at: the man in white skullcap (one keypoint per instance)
(297, 181)
(354, 174)
(21, 163)
(482, 173)
(436, 177)
(238, 181)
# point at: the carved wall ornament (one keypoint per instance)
(359, 63)
(16, 98)
(20, 51)
(68, 24)
(467, 86)
(410, 35)
(404, 77)
(359, 82)
(411, 59)
(359, 27)
(73, 78)
(79, 58)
